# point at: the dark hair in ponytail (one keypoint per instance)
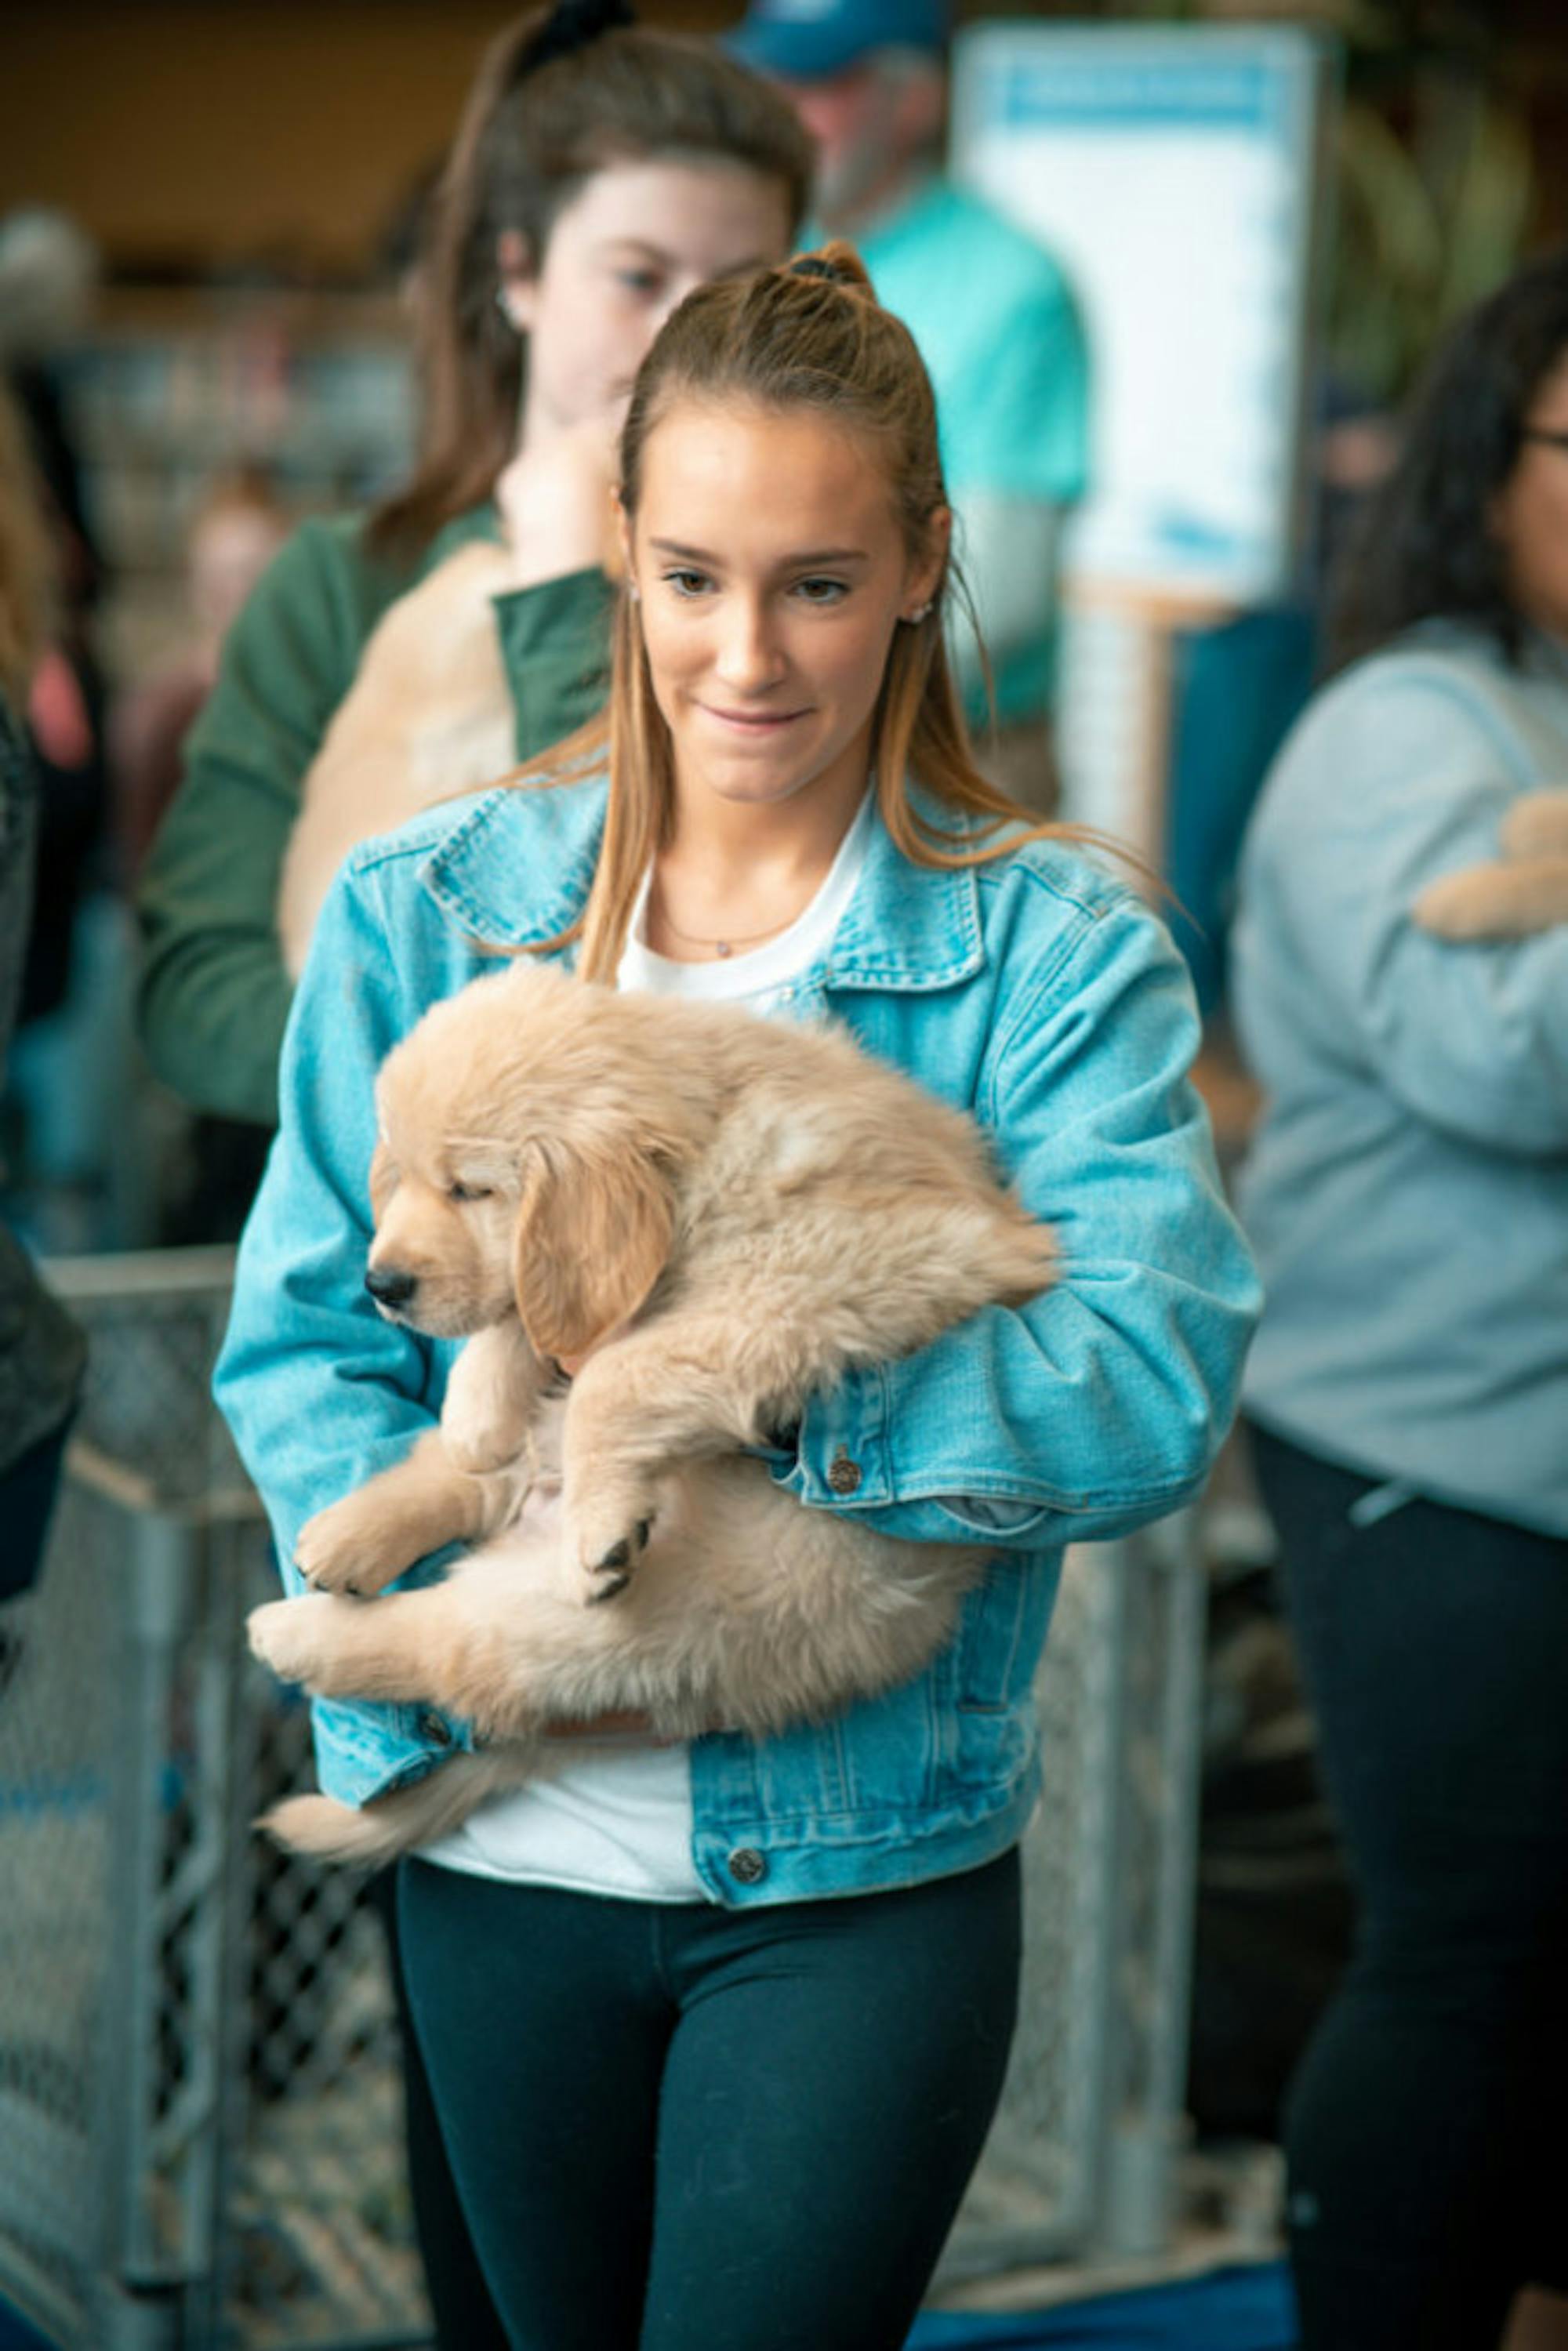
(570, 26)
(559, 95)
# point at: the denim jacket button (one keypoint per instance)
(435, 1728)
(843, 1475)
(746, 1865)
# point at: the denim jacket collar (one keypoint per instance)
(907, 927)
(518, 868)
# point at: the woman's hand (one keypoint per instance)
(555, 499)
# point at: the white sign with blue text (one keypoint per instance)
(1173, 174)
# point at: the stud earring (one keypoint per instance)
(919, 613)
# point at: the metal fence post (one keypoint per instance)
(1169, 1598)
(154, 1595)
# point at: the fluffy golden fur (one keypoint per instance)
(428, 716)
(1524, 889)
(724, 1215)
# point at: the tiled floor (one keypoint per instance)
(1229, 2213)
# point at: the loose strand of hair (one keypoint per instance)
(932, 744)
(470, 368)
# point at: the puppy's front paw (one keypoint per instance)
(295, 1637)
(606, 1542)
(489, 1403)
(357, 1545)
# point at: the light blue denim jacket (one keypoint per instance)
(1034, 993)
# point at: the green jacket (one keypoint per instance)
(214, 994)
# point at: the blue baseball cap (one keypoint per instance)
(811, 40)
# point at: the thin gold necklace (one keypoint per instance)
(725, 946)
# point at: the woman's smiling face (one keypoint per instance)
(771, 573)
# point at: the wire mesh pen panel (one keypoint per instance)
(1081, 2157)
(200, 2117)
(200, 2126)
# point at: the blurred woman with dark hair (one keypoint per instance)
(600, 173)
(1408, 1392)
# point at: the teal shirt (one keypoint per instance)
(999, 331)
(1000, 336)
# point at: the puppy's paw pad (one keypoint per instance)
(609, 1538)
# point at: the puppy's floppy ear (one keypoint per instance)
(592, 1240)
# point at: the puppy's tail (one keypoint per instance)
(367, 1836)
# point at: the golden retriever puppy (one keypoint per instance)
(1525, 889)
(721, 1215)
(427, 717)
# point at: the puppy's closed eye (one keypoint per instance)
(457, 1190)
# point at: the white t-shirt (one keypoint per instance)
(614, 1815)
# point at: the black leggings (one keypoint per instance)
(462, 2314)
(671, 2124)
(1425, 2130)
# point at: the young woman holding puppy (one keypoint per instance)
(715, 2033)
(600, 172)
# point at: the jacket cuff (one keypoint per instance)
(840, 1460)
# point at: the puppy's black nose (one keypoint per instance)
(388, 1287)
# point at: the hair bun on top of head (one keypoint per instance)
(838, 263)
(572, 25)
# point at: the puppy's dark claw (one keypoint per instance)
(607, 1587)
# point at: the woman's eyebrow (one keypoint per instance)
(620, 247)
(641, 248)
(805, 560)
